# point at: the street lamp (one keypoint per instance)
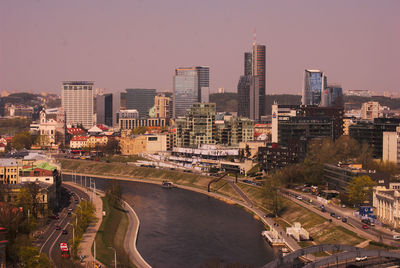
(73, 232)
(115, 256)
(76, 218)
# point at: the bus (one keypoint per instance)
(64, 250)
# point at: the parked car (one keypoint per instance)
(338, 217)
(365, 226)
(361, 258)
(366, 221)
(332, 214)
(299, 197)
(344, 219)
(343, 205)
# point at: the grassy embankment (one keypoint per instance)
(319, 228)
(130, 171)
(111, 234)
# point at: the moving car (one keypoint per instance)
(332, 214)
(396, 237)
(64, 232)
(365, 226)
(58, 227)
(361, 258)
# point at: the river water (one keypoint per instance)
(180, 228)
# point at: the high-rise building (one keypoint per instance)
(258, 63)
(370, 110)
(314, 83)
(185, 90)
(203, 74)
(140, 99)
(248, 60)
(104, 109)
(332, 96)
(77, 101)
(391, 146)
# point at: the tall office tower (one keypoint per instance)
(332, 96)
(258, 63)
(243, 89)
(203, 75)
(248, 60)
(314, 84)
(141, 99)
(162, 106)
(117, 99)
(186, 89)
(104, 109)
(77, 101)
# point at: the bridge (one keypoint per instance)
(343, 253)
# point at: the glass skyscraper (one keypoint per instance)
(314, 84)
(140, 99)
(259, 70)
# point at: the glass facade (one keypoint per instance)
(185, 90)
(140, 99)
(314, 84)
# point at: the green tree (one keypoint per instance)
(22, 140)
(112, 147)
(360, 189)
(30, 257)
(139, 130)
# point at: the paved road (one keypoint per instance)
(52, 237)
(373, 233)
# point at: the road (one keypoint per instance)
(52, 237)
(353, 223)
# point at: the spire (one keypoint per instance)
(254, 37)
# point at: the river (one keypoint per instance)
(181, 228)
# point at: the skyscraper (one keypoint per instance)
(104, 109)
(315, 83)
(332, 96)
(140, 99)
(203, 75)
(185, 90)
(259, 70)
(77, 101)
(248, 60)
(251, 86)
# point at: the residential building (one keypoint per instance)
(104, 109)
(233, 130)
(273, 156)
(391, 146)
(372, 132)
(77, 101)
(9, 170)
(140, 99)
(97, 141)
(78, 142)
(162, 105)
(370, 110)
(315, 83)
(197, 127)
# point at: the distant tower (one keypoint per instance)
(315, 83)
(77, 101)
(203, 75)
(248, 59)
(259, 71)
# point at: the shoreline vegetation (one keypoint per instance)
(319, 228)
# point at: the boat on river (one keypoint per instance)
(168, 184)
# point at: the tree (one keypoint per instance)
(139, 130)
(34, 190)
(272, 197)
(30, 257)
(114, 193)
(112, 147)
(22, 140)
(241, 154)
(360, 189)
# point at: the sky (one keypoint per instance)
(138, 43)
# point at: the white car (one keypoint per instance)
(361, 258)
(299, 197)
(396, 237)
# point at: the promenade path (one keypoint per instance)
(90, 234)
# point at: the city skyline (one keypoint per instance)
(118, 44)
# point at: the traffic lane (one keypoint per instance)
(55, 253)
(357, 225)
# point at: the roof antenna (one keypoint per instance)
(254, 36)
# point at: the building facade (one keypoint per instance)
(370, 110)
(131, 123)
(77, 101)
(332, 96)
(104, 109)
(140, 99)
(162, 105)
(259, 70)
(315, 83)
(391, 146)
(9, 170)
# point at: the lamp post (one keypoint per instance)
(76, 218)
(115, 256)
(73, 232)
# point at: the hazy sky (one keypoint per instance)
(139, 43)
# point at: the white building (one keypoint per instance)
(77, 101)
(370, 110)
(386, 201)
(391, 146)
(51, 122)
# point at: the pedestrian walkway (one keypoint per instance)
(90, 234)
